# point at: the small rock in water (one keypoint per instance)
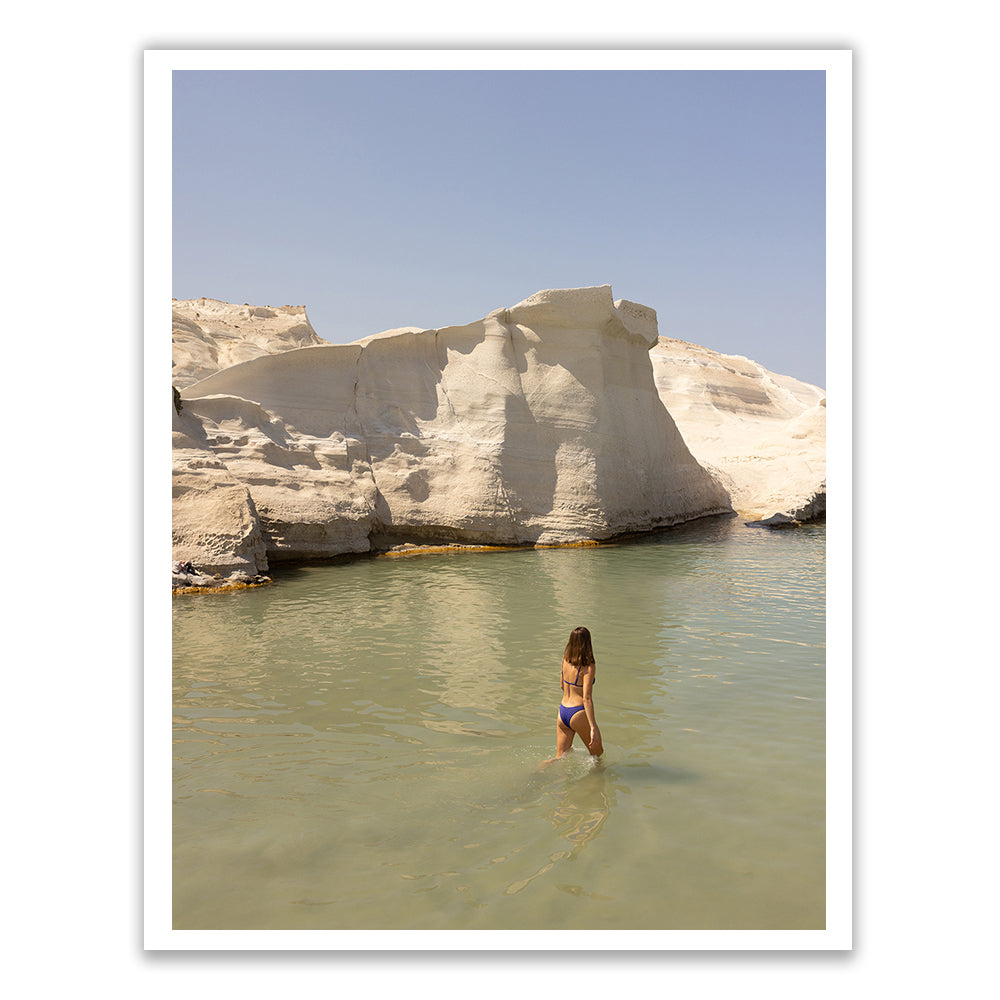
(186, 577)
(776, 521)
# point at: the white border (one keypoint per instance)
(839, 367)
(157, 692)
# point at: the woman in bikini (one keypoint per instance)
(576, 710)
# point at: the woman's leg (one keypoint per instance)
(581, 726)
(564, 736)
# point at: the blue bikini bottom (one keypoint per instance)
(566, 713)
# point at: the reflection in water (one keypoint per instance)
(585, 807)
(359, 744)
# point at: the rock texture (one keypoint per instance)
(763, 436)
(539, 424)
(209, 335)
(215, 523)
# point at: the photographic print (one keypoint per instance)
(500, 587)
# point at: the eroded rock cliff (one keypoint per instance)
(762, 435)
(539, 424)
(209, 335)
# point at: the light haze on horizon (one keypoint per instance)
(381, 199)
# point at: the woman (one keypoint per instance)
(576, 710)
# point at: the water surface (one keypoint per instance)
(360, 745)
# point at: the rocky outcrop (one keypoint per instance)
(215, 524)
(539, 424)
(188, 579)
(762, 435)
(813, 510)
(209, 335)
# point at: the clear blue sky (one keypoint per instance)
(380, 199)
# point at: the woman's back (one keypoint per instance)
(572, 678)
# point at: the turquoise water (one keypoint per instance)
(361, 744)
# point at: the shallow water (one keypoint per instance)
(361, 744)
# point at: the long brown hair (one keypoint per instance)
(579, 650)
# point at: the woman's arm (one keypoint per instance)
(588, 707)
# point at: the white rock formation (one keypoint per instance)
(540, 424)
(209, 335)
(762, 435)
(215, 522)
